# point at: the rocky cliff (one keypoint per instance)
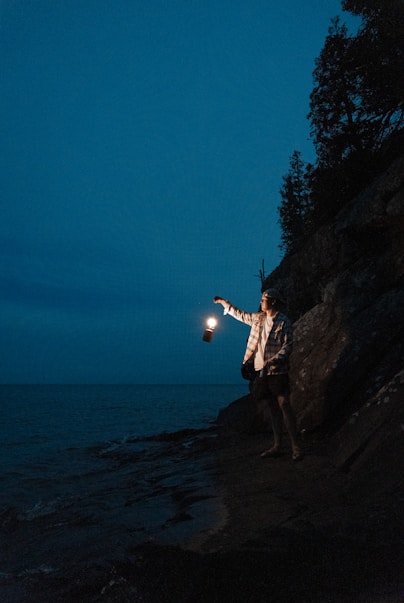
(345, 294)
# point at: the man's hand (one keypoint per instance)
(219, 300)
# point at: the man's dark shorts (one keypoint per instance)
(270, 387)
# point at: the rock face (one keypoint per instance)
(345, 294)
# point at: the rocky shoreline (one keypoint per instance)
(279, 531)
(292, 532)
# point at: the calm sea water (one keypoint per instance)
(82, 478)
(38, 420)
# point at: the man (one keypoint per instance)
(269, 345)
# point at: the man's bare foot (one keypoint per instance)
(271, 452)
(297, 454)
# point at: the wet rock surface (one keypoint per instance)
(309, 531)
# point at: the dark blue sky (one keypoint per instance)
(143, 145)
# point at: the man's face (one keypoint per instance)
(267, 305)
(264, 303)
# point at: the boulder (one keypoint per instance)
(245, 415)
(346, 297)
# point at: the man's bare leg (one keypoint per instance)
(276, 420)
(290, 424)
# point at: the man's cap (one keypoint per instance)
(273, 294)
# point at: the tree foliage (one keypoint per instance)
(379, 48)
(336, 113)
(356, 110)
(357, 100)
(295, 209)
(381, 44)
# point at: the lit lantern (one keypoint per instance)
(210, 327)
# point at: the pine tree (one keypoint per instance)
(356, 115)
(379, 51)
(358, 96)
(295, 209)
(336, 111)
(356, 105)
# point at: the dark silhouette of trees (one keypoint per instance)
(379, 55)
(336, 113)
(295, 209)
(358, 96)
(356, 110)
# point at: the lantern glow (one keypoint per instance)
(210, 327)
